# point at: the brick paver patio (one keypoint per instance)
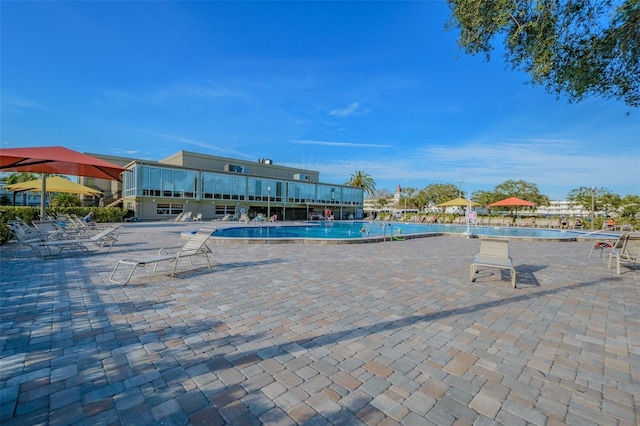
(384, 333)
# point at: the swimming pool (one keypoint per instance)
(358, 230)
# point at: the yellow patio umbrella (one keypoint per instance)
(462, 202)
(53, 184)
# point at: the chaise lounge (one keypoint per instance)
(195, 246)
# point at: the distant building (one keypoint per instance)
(216, 186)
(396, 196)
(564, 208)
(556, 208)
(24, 198)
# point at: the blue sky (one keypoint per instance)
(336, 87)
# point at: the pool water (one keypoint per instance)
(352, 230)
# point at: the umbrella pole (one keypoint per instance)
(468, 231)
(43, 209)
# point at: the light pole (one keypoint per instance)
(460, 187)
(593, 205)
(268, 203)
(333, 198)
(404, 193)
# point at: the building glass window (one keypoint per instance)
(352, 196)
(324, 194)
(130, 180)
(222, 210)
(178, 183)
(166, 184)
(169, 209)
(302, 192)
(257, 191)
(190, 186)
(155, 175)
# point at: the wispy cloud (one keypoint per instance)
(194, 142)
(18, 103)
(335, 143)
(125, 152)
(209, 90)
(552, 164)
(353, 109)
(176, 91)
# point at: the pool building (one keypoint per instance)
(212, 187)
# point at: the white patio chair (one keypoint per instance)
(494, 253)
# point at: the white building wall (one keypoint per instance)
(563, 208)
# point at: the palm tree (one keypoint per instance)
(363, 180)
(20, 177)
(65, 200)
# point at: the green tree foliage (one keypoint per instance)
(420, 200)
(484, 197)
(438, 193)
(407, 197)
(65, 200)
(630, 206)
(521, 189)
(361, 179)
(382, 193)
(21, 177)
(603, 199)
(575, 47)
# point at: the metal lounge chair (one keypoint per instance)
(609, 243)
(178, 218)
(195, 246)
(628, 253)
(52, 230)
(225, 218)
(24, 235)
(42, 246)
(105, 238)
(494, 253)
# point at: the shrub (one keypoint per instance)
(29, 214)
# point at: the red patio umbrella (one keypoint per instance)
(57, 160)
(512, 201)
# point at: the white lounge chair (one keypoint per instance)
(225, 218)
(609, 243)
(177, 218)
(24, 235)
(42, 246)
(195, 246)
(494, 253)
(628, 253)
(198, 218)
(51, 230)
